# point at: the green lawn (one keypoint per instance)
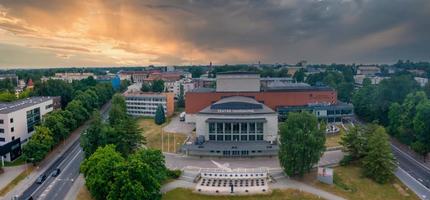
(350, 184)
(187, 194)
(152, 133)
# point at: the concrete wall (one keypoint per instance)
(196, 101)
(238, 83)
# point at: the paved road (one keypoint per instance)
(69, 163)
(412, 173)
(57, 187)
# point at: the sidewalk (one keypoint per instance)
(50, 159)
(10, 173)
(76, 187)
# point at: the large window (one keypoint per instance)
(211, 127)
(243, 128)
(235, 127)
(227, 127)
(243, 131)
(33, 118)
(259, 127)
(252, 127)
(219, 127)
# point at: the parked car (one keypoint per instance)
(41, 179)
(56, 172)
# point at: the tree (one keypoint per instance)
(118, 111)
(427, 89)
(302, 143)
(146, 87)
(137, 180)
(94, 136)
(421, 125)
(354, 143)
(128, 136)
(160, 117)
(196, 72)
(181, 98)
(56, 123)
(158, 85)
(80, 114)
(155, 159)
(99, 171)
(299, 76)
(38, 145)
(55, 88)
(379, 163)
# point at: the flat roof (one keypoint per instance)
(288, 88)
(145, 94)
(237, 72)
(9, 107)
(237, 105)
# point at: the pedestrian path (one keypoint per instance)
(9, 174)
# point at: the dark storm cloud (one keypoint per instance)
(315, 29)
(235, 31)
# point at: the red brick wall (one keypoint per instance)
(196, 101)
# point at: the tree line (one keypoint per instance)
(117, 164)
(57, 125)
(399, 104)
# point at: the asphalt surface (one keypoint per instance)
(57, 187)
(412, 173)
(54, 188)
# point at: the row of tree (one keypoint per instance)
(410, 121)
(341, 81)
(57, 125)
(370, 147)
(372, 102)
(117, 165)
(155, 86)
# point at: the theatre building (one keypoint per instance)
(240, 116)
(235, 126)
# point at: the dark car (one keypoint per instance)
(41, 178)
(56, 172)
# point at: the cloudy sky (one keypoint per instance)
(43, 33)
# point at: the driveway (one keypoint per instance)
(176, 126)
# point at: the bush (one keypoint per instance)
(174, 174)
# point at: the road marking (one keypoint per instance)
(410, 157)
(425, 188)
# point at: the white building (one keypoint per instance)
(235, 126)
(146, 103)
(188, 85)
(421, 81)
(17, 122)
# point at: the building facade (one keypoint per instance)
(17, 123)
(235, 126)
(146, 103)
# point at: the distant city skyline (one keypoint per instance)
(111, 33)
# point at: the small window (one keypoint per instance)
(1, 121)
(12, 129)
(13, 138)
(1, 130)
(11, 120)
(2, 139)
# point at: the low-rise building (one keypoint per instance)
(421, 81)
(145, 103)
(18, 120)
(368, 70)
